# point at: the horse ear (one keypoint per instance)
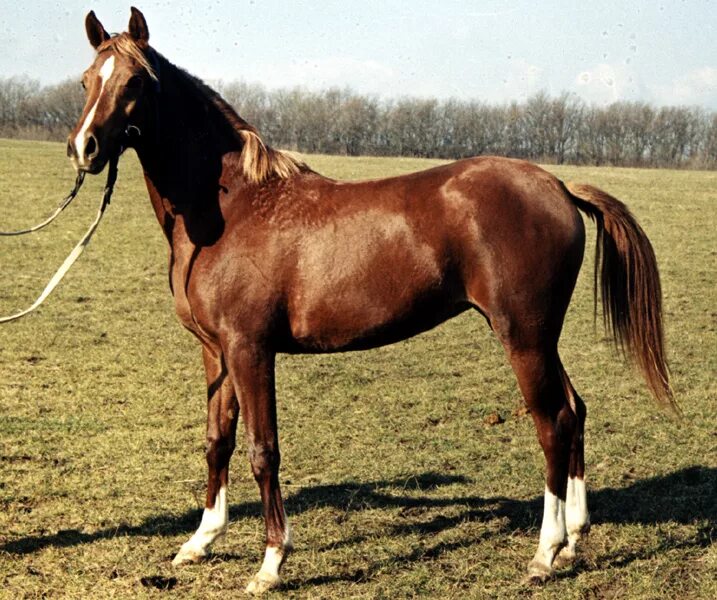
(95, 32)
(138, 26)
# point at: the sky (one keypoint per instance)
(658, 51)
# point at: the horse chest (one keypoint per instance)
(180, 278)
(184, 311)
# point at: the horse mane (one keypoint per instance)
(259, 162)
(124, 45)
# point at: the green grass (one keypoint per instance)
(395, 484)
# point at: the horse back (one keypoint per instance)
(367, 263)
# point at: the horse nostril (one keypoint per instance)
(91, 146)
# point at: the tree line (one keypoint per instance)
(552, 129)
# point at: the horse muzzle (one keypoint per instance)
(89, 157)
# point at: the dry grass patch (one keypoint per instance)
(398, 480)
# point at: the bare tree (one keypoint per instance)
(339, 121)
(565, 117)
(16, 93)
(357, 124)
(708, 157)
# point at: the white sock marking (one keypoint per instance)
(552, 530)
(272, 561)
(105, 73)
(213, 525)
(214, 520)
(577, 517)
(274, 557)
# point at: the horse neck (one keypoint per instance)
(182, 152)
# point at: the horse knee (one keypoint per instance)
(219, 450)
(555, 432)
(264, 460)
(578, 406)
(566, 424)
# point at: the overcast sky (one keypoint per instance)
(664, 52)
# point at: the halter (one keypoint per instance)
(79, 248)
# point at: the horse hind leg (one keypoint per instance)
(577, 517)
(539, 375)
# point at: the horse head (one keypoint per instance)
(119, 86)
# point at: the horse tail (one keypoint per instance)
(626, 269)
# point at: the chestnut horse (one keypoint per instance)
(268, 256)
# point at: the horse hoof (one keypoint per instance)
(262, 583)
(565, 558)
(188, 557)
(537, 573)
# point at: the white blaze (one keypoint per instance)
(105, 73)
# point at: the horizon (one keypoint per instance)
(643, 52)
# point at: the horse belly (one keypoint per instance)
(356, 323)
(383, 282)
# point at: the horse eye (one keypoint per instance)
(82, 83)
(134, 83)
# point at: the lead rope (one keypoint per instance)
(62, 206)
(79, 248)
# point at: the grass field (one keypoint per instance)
(396, 483)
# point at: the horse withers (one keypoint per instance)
(268, 256)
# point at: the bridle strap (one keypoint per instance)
(62, 206)
(81, 245)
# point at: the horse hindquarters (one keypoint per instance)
(524, 292)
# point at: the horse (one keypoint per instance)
(267, 256)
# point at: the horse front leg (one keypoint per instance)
(252, 370)
(222, 414)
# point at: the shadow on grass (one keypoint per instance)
(686, 496)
